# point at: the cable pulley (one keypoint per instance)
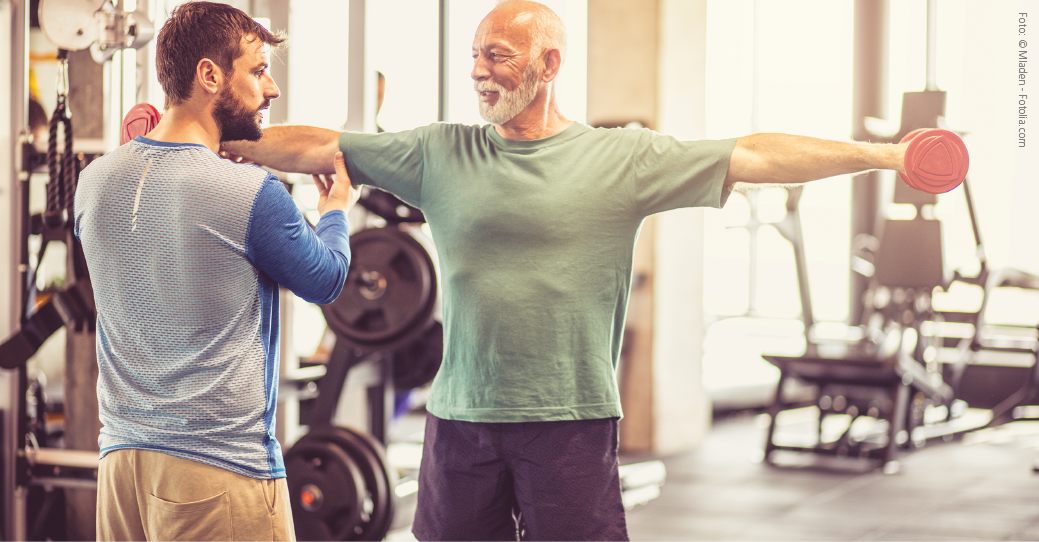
(98, 25)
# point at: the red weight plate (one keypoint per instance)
(141, 119)
(936, 161)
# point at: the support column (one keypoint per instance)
(622, 61)
(361, 85)
(279, 12)
(622, 83)
(681, 407)
(646, 63)
(869, 88)
(14, 32)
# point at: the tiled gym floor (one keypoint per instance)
(978, 488)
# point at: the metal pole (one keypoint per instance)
(360, 117)
(442, 65)
(869, 87)
(932, 45)
(973, 219)
(280, 14)
(755, 126)
(144, 56)
(869, 68)
(14, 76)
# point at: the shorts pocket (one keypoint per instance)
(207, 519)
(269, 494)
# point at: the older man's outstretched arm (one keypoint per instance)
(783, 158)
(297, 149)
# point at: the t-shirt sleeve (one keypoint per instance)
(311, 263)
(673, 174)
(391, 161)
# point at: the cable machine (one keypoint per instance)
(36, 474)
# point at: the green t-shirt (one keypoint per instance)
(535, 241)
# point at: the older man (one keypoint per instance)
(535, 218)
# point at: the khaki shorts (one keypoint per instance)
(144, 495)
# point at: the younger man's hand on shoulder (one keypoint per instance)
(336, 191)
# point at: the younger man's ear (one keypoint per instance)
(209, 76)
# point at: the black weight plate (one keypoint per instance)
(381, 467)
(389, 293)
(416, 364)
(326, 485)
(389, 207)
(380, 480)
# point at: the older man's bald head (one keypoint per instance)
(517, 54)
(545, 28)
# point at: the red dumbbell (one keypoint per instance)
(936, 160)
(140, 120)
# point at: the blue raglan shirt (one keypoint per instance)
(186, 252)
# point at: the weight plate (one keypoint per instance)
(140, 120)
(380, 480)
(385, 502)
(389, 294)
(936, 161)
(326, 486)
(417, 364)
(389, 207)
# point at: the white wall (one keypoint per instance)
(1003, 175)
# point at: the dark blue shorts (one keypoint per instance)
(560, 478)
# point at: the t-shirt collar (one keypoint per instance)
(528, 145)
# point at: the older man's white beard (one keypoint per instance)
(510, 102)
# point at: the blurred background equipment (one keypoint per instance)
(887, 386)
(50, 452)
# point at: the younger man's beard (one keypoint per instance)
(235, 121)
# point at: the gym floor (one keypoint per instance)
(981, 487)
